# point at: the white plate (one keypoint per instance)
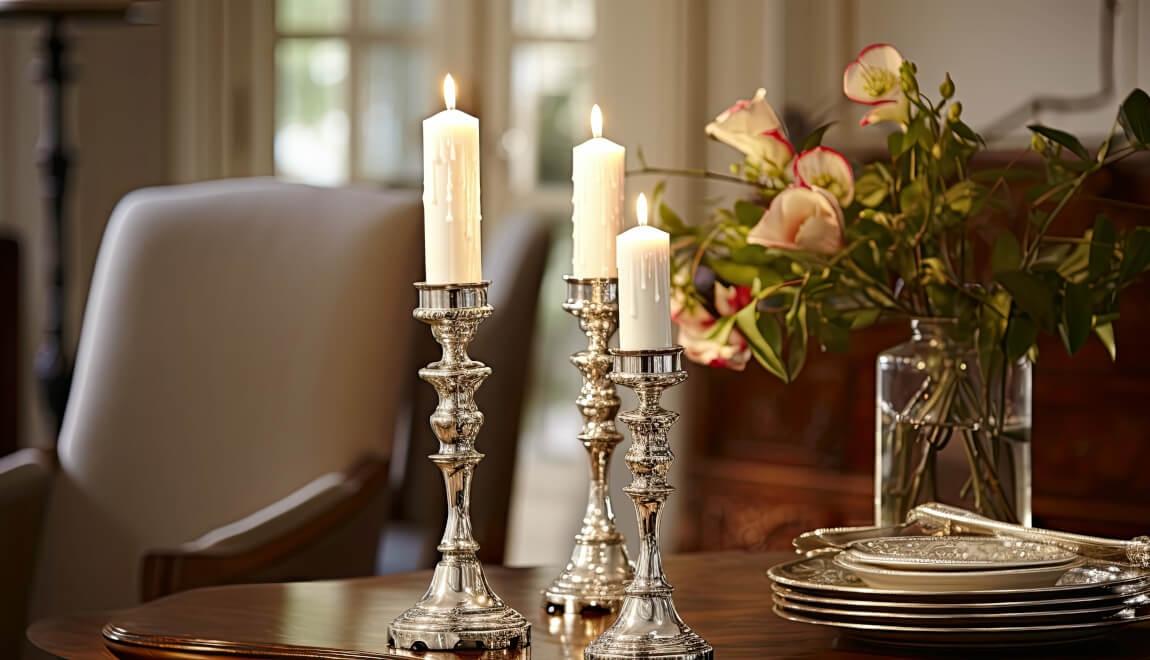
(935, 581)
(957, 553)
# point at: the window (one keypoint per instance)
(352, 88)
(550, 90)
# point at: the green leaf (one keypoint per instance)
(965, 132)
(870, 189)
(895, 144)
(797, 332)
(748, 214)
(1135, 118)
(1032, 294)
(960, 196)
(734, 273)
(670, 221)
(815, 138)
(1006, 254)
(1076, 317)
(1135, 253)
(1101, 247)
(752, 254)
(1105, 334)
(1061, 137)
(1020, 336)
(766, 351)
(864, 318)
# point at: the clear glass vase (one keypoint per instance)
(939, 434)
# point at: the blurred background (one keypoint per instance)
(332, 93)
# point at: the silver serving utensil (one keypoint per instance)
(829, 540)
(953, 520)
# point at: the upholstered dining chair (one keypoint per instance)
(240, 370)
(514, 260)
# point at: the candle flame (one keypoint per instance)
(596, 121)
(641, 209)
(449, 91)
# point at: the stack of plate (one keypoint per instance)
(966, 590)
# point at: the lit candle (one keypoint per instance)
(644, 284)
(451, 194)
(597, 174)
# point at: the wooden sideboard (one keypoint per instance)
(766, 460)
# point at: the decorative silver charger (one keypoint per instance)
(1089, 600)
(459, 610)
(599, 569)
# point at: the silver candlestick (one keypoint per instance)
(459, 610)
(598, 572)
(648, 625)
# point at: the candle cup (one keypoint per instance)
(597, 574)
(459, 610)
(648, 625)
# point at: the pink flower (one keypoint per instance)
(752, 127)
(823, 167)
(801, 219)
(726, 348)
(873, 79)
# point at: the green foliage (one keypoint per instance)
(1063, 138)
(929, 235)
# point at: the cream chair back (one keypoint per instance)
(241, 339)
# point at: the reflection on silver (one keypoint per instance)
(599, 569)
(648, 625)
(459, 610)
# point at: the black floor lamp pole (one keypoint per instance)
(53, 365)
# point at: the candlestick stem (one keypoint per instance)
(599, 569)
(648, 625)
(459, 610)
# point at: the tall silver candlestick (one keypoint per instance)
(598, 572)
(648, 625)
(459, 610)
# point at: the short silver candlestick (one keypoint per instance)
(459, 610)
(648, 625)
(597, 574)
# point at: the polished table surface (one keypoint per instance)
(723, 596)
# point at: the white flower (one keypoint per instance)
(801, 219)
(823, 167)
(873, 79)
(752, 127)
(697, 325)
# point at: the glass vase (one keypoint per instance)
(939, 433)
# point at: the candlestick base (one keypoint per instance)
(459, 612)
(648, 625)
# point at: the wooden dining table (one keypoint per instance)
(724, 596)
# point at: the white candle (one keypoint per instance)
(597, 175)
(451, 194)
(644, 285)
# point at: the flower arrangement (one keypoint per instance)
(819, 248)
